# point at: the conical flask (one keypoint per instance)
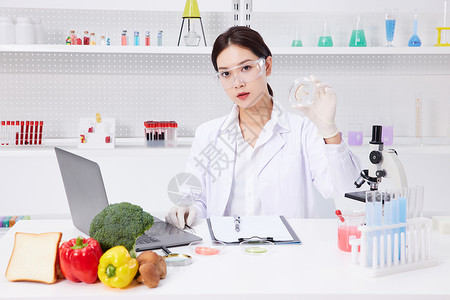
(358, 38)
(415, 41)
(325, 39)
(297, 41)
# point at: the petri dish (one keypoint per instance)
(257, 247)
(301, 92)
(177, 260)
(207, 248)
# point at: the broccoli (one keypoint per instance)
(120, 224)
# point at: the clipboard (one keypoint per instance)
(275, 229)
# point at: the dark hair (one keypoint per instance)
(244, 37)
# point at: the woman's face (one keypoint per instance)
(244, 94)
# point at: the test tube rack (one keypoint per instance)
(408, 249)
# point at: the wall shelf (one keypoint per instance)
(207, 50)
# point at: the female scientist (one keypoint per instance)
(260, 159)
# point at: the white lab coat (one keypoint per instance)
(291, 161)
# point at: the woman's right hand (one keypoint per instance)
(180, 216)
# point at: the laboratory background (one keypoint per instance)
(125, 84)
(127, 64)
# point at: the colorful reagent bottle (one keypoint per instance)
(136, 38)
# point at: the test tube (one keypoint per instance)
(378, 220)
(387, 221)
(3, 133)
(395, 220)
(402, 215)
(370, 222)
(36, 129)
(17, 130)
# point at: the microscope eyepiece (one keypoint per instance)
(376, 134)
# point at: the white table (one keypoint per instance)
(314, 270)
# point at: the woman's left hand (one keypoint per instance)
(322, 112)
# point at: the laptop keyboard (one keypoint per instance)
(144, 239)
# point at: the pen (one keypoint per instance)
(237, 222)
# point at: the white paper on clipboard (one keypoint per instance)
(223, 228)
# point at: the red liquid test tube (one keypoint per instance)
(21, 131)
(36, 132)
(30, 141)
(41, 124)
(27, 127)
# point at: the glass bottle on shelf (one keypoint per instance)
(86, 38)
(191, 39)
(325, 39)
(147, 38)
(73, 37)
(358, 38)
(297, 41)
(160, 37)
(92, 39)
(124, 39)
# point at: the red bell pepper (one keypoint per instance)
(79, 259)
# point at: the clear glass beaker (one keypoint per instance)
(348, 228)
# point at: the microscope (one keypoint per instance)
(383, 163)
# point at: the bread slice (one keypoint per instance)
(34, 257)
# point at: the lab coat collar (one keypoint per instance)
(278, 116)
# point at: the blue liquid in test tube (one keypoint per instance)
(395, 218)
(402, 211)
(387, 218)
(378, 219)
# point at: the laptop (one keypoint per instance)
(86, 195)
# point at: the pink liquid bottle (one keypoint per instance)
(124, 38)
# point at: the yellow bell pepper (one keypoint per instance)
(117, 268)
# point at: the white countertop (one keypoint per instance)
(315, 269)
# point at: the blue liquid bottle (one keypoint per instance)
(415, 41)
(136, 38)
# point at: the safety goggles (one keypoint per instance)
(248, 72)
